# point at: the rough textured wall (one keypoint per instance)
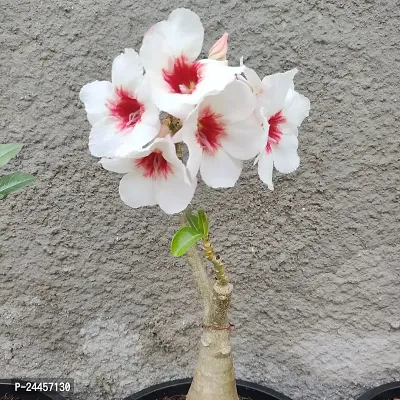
(88, 289)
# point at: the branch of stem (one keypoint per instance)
(200, 274)
(216, 261)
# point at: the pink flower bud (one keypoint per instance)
(219, 49)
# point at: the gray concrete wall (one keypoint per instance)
(87, 286)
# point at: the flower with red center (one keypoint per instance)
(121, 112)
(183, 76)
(153, 176)
(154, 165)
(210, 129)
(282, 110)
(220, 133)
(126, 108)
(169, 53)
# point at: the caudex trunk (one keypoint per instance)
(214, 376)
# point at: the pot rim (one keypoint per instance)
(187, 381)
(391, 389)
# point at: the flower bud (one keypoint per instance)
(219, 50)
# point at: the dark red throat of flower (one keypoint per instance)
(274, 133)
(154, 165)
(210, 130)
(184, 76)
(126, 108)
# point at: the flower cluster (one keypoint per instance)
(223, 114)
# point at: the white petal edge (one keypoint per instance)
(265, 168)
(275, 90)
(184, 33)
(118, 165)
(136, 190)
(174, 194)
(94, 96)
(220, 170)
(296, 107)
(286, 159)
(127, 70)
(244, 139)
(252, 78)
(106, 140)
(235, 102)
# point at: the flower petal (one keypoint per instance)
(167, 146)
(95, 96)
(215, 76)
(136, 190)
(220, 170)
(296, 107)
(155, 52)
(244, 139)
(127, 70)
(184, 33)
(285, 155)
(275, 90)
(119, 165)
(174, 194)
(253, 79)
(106, 140)
(235, 102)
(265, 167)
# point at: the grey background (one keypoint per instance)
(88, 289)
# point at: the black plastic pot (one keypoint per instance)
(7, 388)
(389, 391)
(181, 386)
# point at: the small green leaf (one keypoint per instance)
(12, 182)
(203, 223)
(193, 222)
(183, 240)
(8, 151)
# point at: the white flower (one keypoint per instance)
(220, 133)
(169, 53)
(282, 111)
(154, 175)
(121, 113)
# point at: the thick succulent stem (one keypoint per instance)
(214, 376)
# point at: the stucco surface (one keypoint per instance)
(88, 289)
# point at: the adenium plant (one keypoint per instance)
(163, 99)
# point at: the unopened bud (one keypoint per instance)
(219, 50)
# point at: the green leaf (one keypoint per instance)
(183, 240)
(12, 182)
(193, 222)
(8, 151)
(203, 223)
